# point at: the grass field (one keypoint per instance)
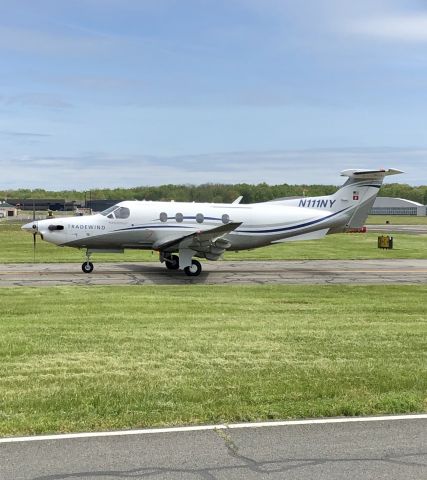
(396, 220)
(16, 246)
(77, 358)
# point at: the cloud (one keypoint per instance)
(7, 133)
(405, 28)
(100, 82)
(387, 20)
(45, 100)
(98, 170)
(26, 40)
(26, 139)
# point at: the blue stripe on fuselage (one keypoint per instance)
(294, 227)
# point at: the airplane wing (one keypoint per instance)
(209, 242)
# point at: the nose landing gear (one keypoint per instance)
(87, 267)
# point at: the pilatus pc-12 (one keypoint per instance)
(181, 231)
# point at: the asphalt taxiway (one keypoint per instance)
(221, 273)
(392, 448)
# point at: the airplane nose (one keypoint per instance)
(30, 227)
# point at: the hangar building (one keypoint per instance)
(56, 204)
(7, 210)
(397, 206)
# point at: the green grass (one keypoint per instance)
(348, 246)
(16, 247)
(78, 358)
(396, 220)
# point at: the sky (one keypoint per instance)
(122, 93)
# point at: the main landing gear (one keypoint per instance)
(191, 267)
(172, 262)
(194, 270)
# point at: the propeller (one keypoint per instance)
(34, 231)
(34, 246)
(33, 227)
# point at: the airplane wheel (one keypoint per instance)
(195, 270)
(87, 267)
(173, 263)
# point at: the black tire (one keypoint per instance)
(87, 267)
(172, 263)
(195, 270)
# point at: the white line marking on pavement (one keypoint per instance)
(198, 428)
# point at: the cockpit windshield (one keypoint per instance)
(109, 210)
(122, 213)
(117, 212)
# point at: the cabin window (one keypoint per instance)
(225, 218)
(163, 217)
(179, 217)
(199, 218)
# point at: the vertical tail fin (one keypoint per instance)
(358, 194)
(351, 204)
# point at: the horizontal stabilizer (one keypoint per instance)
(369, 174)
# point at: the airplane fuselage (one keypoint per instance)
(150, 223)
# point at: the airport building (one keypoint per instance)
(397, 206)
(54, 204)
(7, 210)
(60, 204)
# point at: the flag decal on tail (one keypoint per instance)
(355, 195)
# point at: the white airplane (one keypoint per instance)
(180, 231)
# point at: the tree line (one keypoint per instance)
(211, 192)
